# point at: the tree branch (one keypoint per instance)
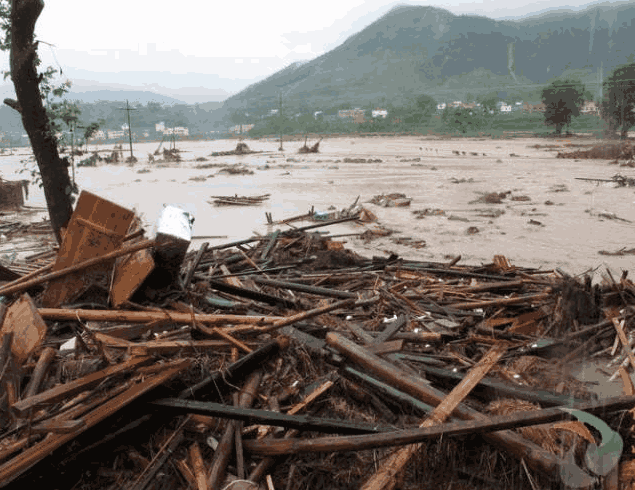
(14, 104)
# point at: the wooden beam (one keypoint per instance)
(58, 393)
(149, 316)
(15, 467)
(389, 472)
(535, 456)
(268, 417)
(277, 447)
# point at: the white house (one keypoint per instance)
(505, 108)
(115, 134)
(178, 130)
(159, 127)
(380, 113)
(441, 107)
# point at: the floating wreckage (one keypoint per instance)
(239, 200)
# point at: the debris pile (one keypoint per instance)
(615, 151)
(395, 199)
(239, 200)
(310, 149)
(286, 360)
(241, 149)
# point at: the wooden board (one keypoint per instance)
(130, 272)
(28, 327)
(97, 227)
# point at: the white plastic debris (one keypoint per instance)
(68, 346)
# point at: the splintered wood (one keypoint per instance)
(366, 373)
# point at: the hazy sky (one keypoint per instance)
(228, 44)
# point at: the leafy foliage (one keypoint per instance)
(563, 99)
(466, 120)
(619, 101)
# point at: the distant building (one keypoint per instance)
(590, 107)
(241, 128)
(357, 115)
(177, 130)
(504, 108)
(441, 107)
(318, 114)
(273, 112)
(159, 127)
(540, 107)
(456, 103)
(112, 135)
(98, 135)
(383, 113)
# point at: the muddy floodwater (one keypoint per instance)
(547, 219)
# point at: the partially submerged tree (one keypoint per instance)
(619, 99)
(18, 22)
(562, 99)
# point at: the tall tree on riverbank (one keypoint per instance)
(563, 100)
(619, 99)
(18, 19)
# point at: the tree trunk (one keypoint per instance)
(54, 170)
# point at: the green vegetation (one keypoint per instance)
(563, 99)
(618, 107)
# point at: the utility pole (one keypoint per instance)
(128, 109)
(280, 119)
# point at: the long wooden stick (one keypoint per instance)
(15, 467)
(149, 316)
(328, 444)
(225, 446)
(386, 477)
(535, 456)
(24, 285)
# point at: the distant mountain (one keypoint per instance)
(413, 50)
(142, 97)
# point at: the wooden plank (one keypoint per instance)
(173, 346)
(28, 328)
(224, 449)
(65, 390)
(386, 347)
(391, 329)
(327, 444)
(268, 417)
(17, 466)
(19, 286)
(130, 272)
(96, 227)
(198, 466)
(389, 472)
(619, 327)
(530, 298)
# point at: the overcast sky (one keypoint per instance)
(228, 44)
